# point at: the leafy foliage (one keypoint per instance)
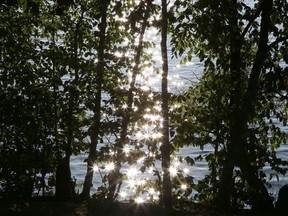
(227, 36)
(72, 81)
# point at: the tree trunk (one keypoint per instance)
(64, 189)
(223, 198)
(242, 107)
(63, 175)
(96, 122)
(165, 148)
(116, 177)
(260, 196)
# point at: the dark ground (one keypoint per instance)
(93, 208)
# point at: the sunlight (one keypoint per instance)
(151, 191)
(150, 170)
(146, 135)
(126, 149)
(139, 200)
(156, 197)
(173, 171)
(145, 88)
(118, 54)
(140, 160)
(132, 172)
(156, 135)
(186, 170)
(123, 194)
(110, 166)
(176, 162)
(95, 168)
(132, 183)
(184, 187)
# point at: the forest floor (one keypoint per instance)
(91, 207)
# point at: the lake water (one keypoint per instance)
(181, 76)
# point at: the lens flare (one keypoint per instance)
(139, 200)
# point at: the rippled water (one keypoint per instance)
(183, 74)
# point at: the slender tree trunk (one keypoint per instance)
(116, 176)
(63, 179)
(63, 173)
(260, 196)
(242, 107)
(96, 122)
(226, 179)
(64, 189)
(166, 147)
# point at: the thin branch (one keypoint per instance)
(257, 13)
(279, 40)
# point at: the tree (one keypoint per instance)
(24, 121)
(166, 147)
(226, 44)
(96, 122)
(140, 14)
(41, 96)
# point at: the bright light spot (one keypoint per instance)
(126, 149)
(155, 197)
(146, 116)
(132, 172)
(146, 126)
(110, 166)
(95, 168)
(173, 171)
(177, 163)
(125, 106)
(139, 200)
(158, 108)
(118, 54)
(96, 60)
(145, 88)
(151, 191)
(150, 170)
(156, 135)
(132, 183)
(140, 160)
(146, 135)
(121, 28)
(123, 194)
(141, 182)
(186, 170)
(184, 187)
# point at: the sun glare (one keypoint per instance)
(95, 168)
(132, 172)
(173, 171)
(139, 200)
(149, 128)
(110, 166)
(123, 194)
(184, 187)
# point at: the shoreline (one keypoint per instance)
(91, 207)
